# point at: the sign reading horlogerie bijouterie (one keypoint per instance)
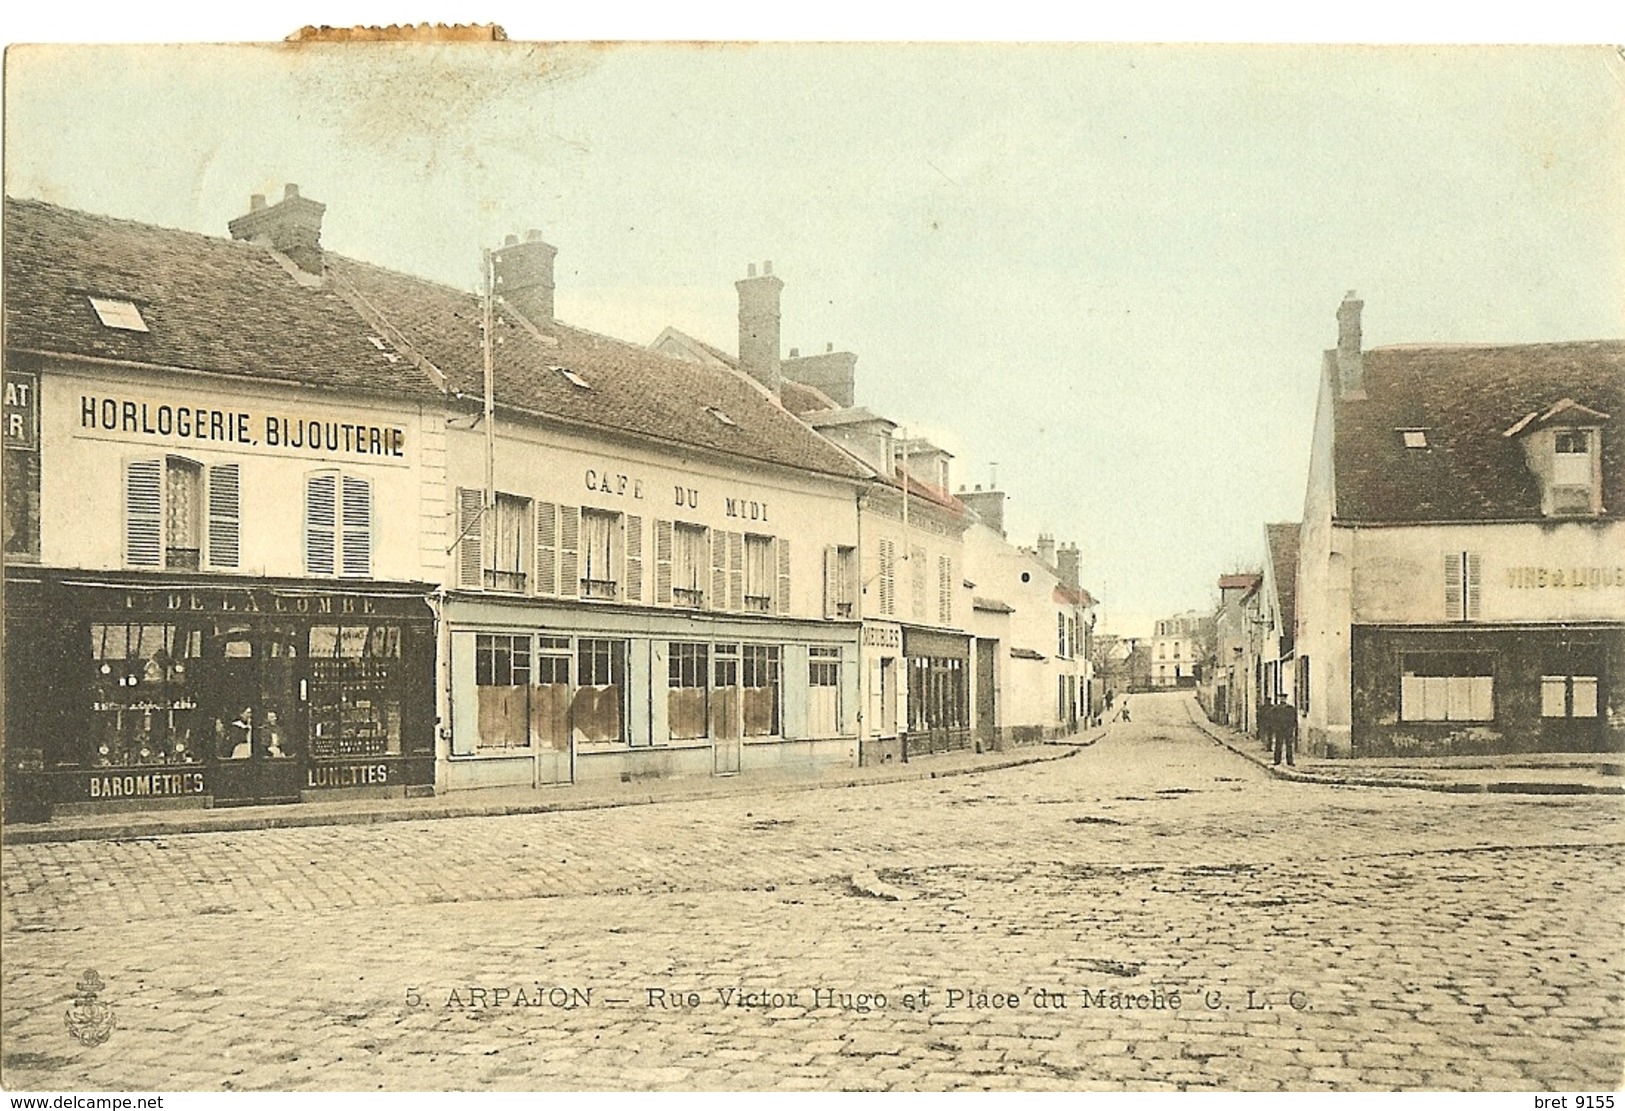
(195, 423)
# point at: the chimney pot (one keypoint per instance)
(795, 352)
(292, 226)
(524, 271)
(829, 347)
(750, 270)
(759, 326)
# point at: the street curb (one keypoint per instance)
(1505, 787)
(133, 827)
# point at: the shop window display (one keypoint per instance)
(355, 707)
(145, 702)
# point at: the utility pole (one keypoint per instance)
(488, 354)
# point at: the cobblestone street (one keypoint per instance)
(901, 936)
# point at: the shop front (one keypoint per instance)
(132, 693)
(938, 665)
(555, 694)
(1452, 692)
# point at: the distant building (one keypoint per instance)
(1175, 649)
(1461, 583)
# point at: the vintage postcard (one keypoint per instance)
(813, 567)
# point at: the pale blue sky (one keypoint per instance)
(1109, 270)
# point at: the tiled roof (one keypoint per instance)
(629, 388)
(1283, 544)
(1465, 399)
(220, 306)
(209, 304)
(1247, 581)
(991, 605)
(802, 399)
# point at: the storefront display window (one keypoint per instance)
(502, 685)
(938, 697)
(355, 707)
(1447, 686)
(144, 702)
(597, 706)
(760, 675)
(687, 713)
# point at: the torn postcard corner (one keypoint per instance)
(408, 32)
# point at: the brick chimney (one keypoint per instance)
(523, 275)
(759, 325)
(1069, 565)
(292, 226)
(986, 504)
(1046, 549)
(1349, 360)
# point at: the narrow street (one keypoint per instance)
(1151, 913)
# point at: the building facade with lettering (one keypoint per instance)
(1460, 586)
(651, 564)
(223, 506)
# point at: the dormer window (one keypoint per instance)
(122, 315)
(1563, 448)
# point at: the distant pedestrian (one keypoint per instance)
(1125, 710)
(1284, 726)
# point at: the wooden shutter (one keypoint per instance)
(831, 578)
(634, 559)
(547, 548)
(357, 531)
(888, 578)
(719, 569)
(1452, 586)
(736, 570)
(663, 539)
(471, 538)
(225, 536)
(783, 592)
(143, 513)
(321, 523)
(569, 551)
(1474, 572)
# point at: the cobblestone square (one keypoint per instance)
(1151, 913)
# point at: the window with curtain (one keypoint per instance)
(691, 563)
(510, 541)
(759, 573)
(600, 549)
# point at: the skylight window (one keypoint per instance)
(1415, 437)
(720, 415)
(122, 315)
(376, 342)
(573, 378)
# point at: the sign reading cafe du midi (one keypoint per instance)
(231, 426)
